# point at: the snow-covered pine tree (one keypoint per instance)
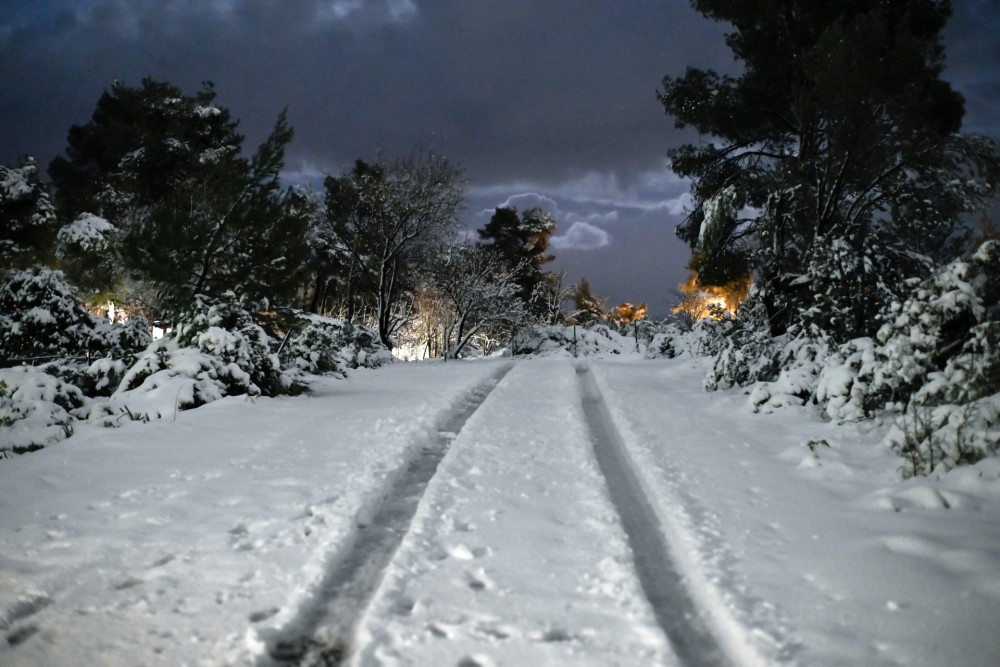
(190, 213)
(832, 165)
(522, 241)
(28, 222)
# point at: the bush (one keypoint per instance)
(954, 419)
(560, 340)
(324, 345)
(216, 349)
(36, 409)
(746, 352)
(41, 318)
(842, 385)
(801, 361)
(224, 329)
(922, 332)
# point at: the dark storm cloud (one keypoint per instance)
(553, 97)
(530, 90)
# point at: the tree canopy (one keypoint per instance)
(831, 167)
(160, 176)
(388, 217)
(522, 241)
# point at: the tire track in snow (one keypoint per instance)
(321, 631)
(662, 580)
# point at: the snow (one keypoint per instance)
(207, 536)
(89, 232)
(814, 558)
(500, 560)
(14, 184)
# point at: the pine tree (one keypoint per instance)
(522, 240)
(834, 169)
(227, 229)
(27, 217)
(190, 214)
(589, 308)
(140, 144)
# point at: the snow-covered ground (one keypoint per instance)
(540, 512)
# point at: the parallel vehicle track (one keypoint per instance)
(320, 632)
(661, 579)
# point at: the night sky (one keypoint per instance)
(543, 102)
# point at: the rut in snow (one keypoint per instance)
(321, 631)
(661, 579)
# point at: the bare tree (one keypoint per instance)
(482, 293)
(388, 217)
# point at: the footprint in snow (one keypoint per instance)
(27, 605)
(263, 614)
(477, 660)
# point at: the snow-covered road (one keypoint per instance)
(544, 512)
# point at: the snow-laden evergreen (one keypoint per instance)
(27, 215)
(932, 367)
(88, 234)
(41, 319)
(92, 370)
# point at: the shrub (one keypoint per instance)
(747, 353)
(41, 318)
(954, 418)
(560, 340)
(842, 385)
(324, 345)
(801, 361)
(36, 409)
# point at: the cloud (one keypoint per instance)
(602, 218)
(679, 205)
(524, 201)
(365, 13)
(582, 236)
(306, 173)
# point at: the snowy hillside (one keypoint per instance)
(545, 511)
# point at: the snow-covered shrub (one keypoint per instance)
(167, 378)
(954, 418)
(325, 345)
(674, 337)
(224, 329)
(939, 366)
(923, 331)
(87, 234)
(101, 377)
(842, 385)
(748, 353)
(40, 317)
(559, 340)
(800, 361)
(35, 409)
(710, 335)
(216, 349)
(669, 344)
